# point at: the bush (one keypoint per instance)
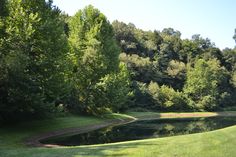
(141, 95)
(207, 103)
(167, 98)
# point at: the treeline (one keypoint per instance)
(170, 74)
(45, 68)
(50, 63)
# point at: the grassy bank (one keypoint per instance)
(210, 144)
(155, 115)
(15, 135)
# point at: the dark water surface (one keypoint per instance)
(143, 130)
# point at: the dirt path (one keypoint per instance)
(187, 115)
(176, 115)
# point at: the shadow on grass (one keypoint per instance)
(117, 150)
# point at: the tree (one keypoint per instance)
(141, 69)
(166, 98)
(198, 47)
(157, 39)
(229, 55)
(3, 73)
(123, 31)
(234, 37)
(177, 72)
(3, 14)
(170, 47)
(202, 43)
(125, 36)
(33, 51)
(114, 88)
(203, 81)
(94, 53)
(212, 53)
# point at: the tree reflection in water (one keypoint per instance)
(143, 130)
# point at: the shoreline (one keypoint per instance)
(34, 141)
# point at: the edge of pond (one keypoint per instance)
(34, 141)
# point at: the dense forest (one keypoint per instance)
(52, 63)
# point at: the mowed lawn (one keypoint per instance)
(219, 143)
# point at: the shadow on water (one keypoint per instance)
(144, 129)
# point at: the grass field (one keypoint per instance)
(219, 143)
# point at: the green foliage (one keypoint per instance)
(48, 58)
(3, 14)
(176, 70)
(169, 48)
(114, 90)
(203, 81)
(167, 98)
(229, 56)
(137, 41)
(197, 47)
(166, 65)
(125, 36)
(142, 69)
(212, 53)
(159, 98)
(32, 50)
(94, 54)
(233, 79)
(142, 98)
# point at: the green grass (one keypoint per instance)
(219, 143)
(155, 115)
(14, 136)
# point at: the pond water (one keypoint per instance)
(143, 130)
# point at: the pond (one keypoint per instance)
(143, 130)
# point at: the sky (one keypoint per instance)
(213, 19)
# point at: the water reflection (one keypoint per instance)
(143, 130)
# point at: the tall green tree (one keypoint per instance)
(203, 81)
(125, 36)
(169, 48)
(94, 53)
(33, 51)
(3, 14)
(198, 47)
(229, 56)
